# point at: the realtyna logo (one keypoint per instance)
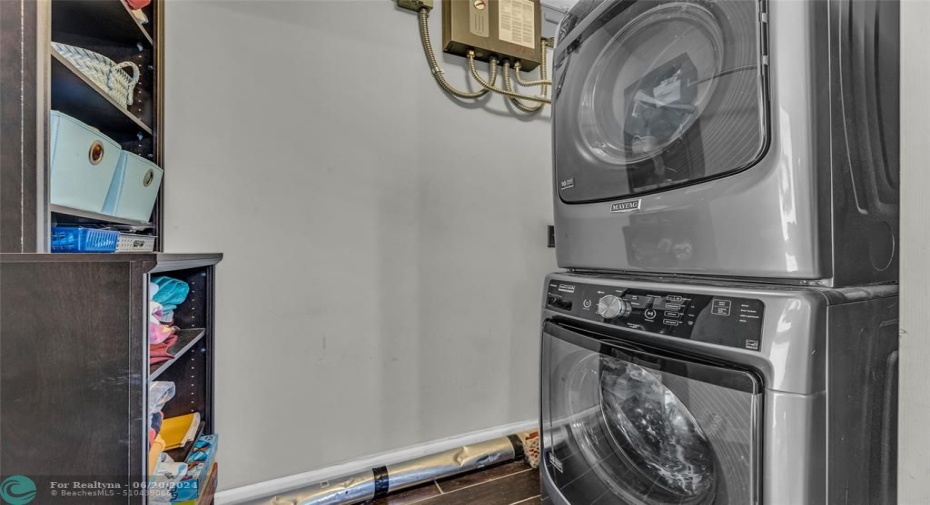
(18, 490)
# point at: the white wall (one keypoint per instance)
(385, 246)
(914, 414)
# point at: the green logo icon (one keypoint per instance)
(18, 490)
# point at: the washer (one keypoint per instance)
(736, 138)
(658, 393)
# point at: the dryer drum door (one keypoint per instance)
(627, 425)
(656, 94)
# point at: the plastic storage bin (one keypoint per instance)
(134, 188)
(77, 239)
(82, 162)
(130, 242)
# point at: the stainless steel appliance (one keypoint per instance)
(736, 138)
(717, 393)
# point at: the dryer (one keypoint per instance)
(656, 393)
(736, 138)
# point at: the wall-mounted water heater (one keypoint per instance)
(503, 33)
(505, 29)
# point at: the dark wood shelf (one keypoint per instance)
(107, 20)
(87, 217)
(152, 262)
(76, 95)
(187, 339)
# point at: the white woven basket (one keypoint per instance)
(103, 71)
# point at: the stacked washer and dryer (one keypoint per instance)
(726, 208)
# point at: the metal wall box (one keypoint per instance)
(507, 29)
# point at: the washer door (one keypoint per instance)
(654, 94)
(630, 426)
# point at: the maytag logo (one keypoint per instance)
(556, 463)
(629, 206)
(567, 288)
(568, 183)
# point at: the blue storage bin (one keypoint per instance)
(82, 162)
(134, 188)
(76, 239)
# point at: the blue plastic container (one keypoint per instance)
(82, 162)
(134, 188)
(82, 240)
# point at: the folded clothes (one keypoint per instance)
(156, 448)
(156, 422)
(159, 394)
(171, 292)
(158, 332)
(159, 352)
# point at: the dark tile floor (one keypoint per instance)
(505, 484)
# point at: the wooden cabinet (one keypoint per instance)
(74, 368)
(74, 349)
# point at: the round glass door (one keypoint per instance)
(653, 95)
(650, 83)
(640, 438)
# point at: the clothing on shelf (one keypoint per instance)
(156, 448)
(158, 353)
(158, 332)
(171, 293)
(159, 394)
(157, 420)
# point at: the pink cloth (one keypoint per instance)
(159, 332)
(137, 4)
(159, 352)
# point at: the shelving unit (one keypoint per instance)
(76, 95)
(104, 19)
(109, 28)
(74, 371)
(187, 339)
(78, 216)
(74, 346)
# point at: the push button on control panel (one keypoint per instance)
(720, 307)
(638, 301)
(559, 303)
(719, 320)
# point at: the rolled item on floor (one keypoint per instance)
(369, 484)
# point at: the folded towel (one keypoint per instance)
(171, 292)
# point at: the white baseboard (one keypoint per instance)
(254, 494)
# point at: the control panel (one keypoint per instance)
(721, 320)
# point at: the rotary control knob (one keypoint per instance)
(610, 306)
